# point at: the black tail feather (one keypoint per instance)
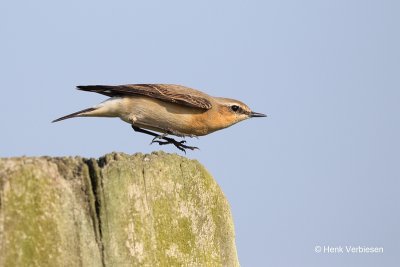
(75, 114)
(106, 90)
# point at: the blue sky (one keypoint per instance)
(322, 169)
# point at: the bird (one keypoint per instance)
(162, 110)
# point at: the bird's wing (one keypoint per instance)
(167, 92)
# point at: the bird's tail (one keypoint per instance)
(75, 114)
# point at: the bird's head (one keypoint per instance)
(234, 111)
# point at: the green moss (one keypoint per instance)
(171, 230)
(30, 223)
(43, 217)
(186, 239)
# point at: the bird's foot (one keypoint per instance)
(161, 136)
(178, 144)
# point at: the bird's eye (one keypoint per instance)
(235, 108)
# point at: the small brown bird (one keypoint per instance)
(166, 108)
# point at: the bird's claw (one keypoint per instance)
(178, 144)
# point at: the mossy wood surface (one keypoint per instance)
(121, 210)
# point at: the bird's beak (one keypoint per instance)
(256, 114)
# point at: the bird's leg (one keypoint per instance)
(168, 131)
(180, 145)
(174, 132)
(161, 136)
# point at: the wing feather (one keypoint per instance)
(167, 92)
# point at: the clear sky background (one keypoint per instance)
(323, 168)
